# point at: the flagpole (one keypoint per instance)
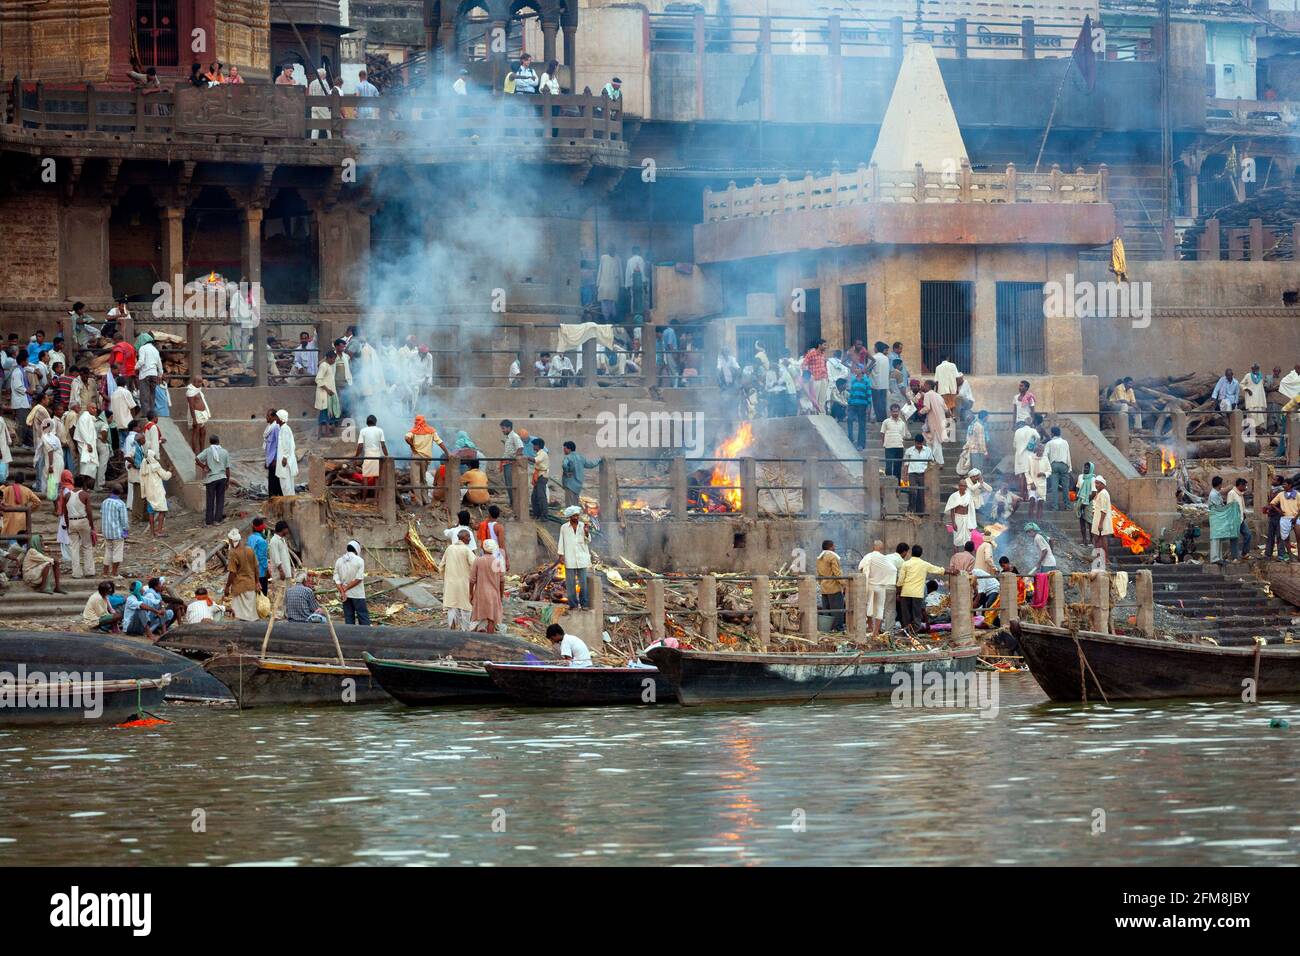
(1069, 64)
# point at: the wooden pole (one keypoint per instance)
(763, 610)
(808, 606)
(706, 603)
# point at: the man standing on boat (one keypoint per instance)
(1103, 519)
(882, 574)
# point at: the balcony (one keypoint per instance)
(243, 122)
(917, 207)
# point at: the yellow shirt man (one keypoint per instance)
(911, 577)
(828, 566)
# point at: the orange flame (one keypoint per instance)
(629, 504)
(1130, 534)
(213, 278)
(1168, 461)
(726, 474)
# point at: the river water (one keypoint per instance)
(845, 783)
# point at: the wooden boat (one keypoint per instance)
(1114, 667)
(111, 656)
(41, 701)
(709, 677)
(296, 641)
(559, 685)
(270, 681)
(423, 683)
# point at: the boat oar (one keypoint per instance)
(275, 606)
(334, 634)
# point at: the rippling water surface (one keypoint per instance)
(1179, 783)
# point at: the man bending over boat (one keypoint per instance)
(572, 650)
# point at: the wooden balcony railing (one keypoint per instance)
(263, 111)
(867, 184)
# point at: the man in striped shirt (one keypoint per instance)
(114, 525)
(814, 361)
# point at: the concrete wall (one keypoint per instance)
(1207, 316)
(615, 41)
(31, 246)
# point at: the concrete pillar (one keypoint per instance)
(387, 490)
(527, 353)
(589, 363)
(677, 479)
(1056, 598)
(1178, 419)
(932, 503)
(654, 600)
(649, 373)
(316, 476)
(959, 604)
(856, 607)
(250, 247)
(1236, 442)
(762, 624)
(194, 342)
(607, 493)
(523, 489)
(1010, 597)
(811, 490)
(171, 222)
(871, 486)
(808, 606)
(596, 594)
(1210, 241)
(1257, 240)
(451, 488)
(1260, 486)
(1145, 594)
(571, 53)
(706, 603)
(261, 363)
(1121, 434)
(549, 29)
(749, 487)
(1099, 601)
(1292, 439)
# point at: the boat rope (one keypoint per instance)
(1258, 644)
(1083, 662)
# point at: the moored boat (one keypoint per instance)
(724, 677)
(51, 701)
(297, 641)
(107, 656)
(559, 685)
(423, 683)
(1072, 666)
(270, 681)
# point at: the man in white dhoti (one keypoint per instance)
(1254, 395)
(286, 466)
(1024, 440)
(86, 437)
(960, 513)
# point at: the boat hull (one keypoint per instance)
(115, 705)
(293, 641)
(421, 684)
(703, 677)
(564, 686)
(1136, 668)
(110, 656)
(255, 682)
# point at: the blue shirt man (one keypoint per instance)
(261, 548)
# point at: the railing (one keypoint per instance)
(266, 111)
(695, 33)
(868, 184)
(1272, 114)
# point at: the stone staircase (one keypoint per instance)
(1220, 602)
(21, 603)
(1223, 603)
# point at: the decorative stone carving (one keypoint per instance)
(242, 110)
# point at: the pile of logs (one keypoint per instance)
(1207, 427)
(220, 366)
(1277, 206)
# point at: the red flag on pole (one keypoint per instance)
(1085, 54)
